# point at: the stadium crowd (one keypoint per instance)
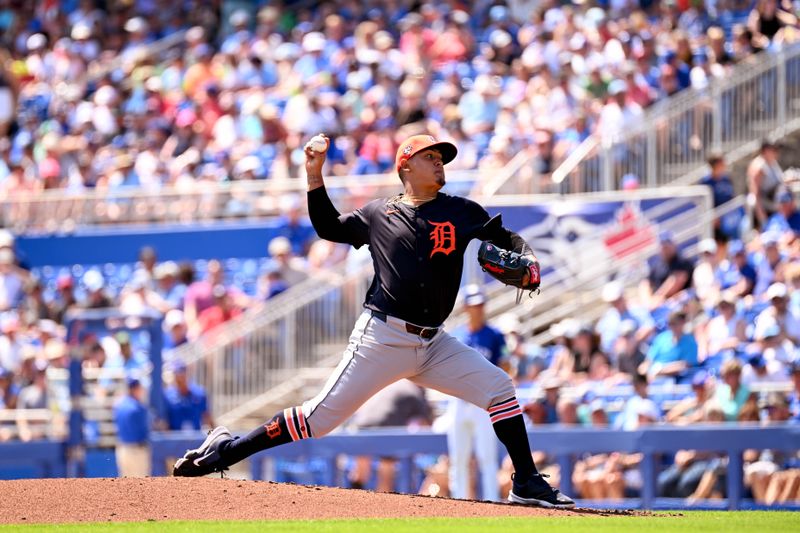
(93, 101)
(95, 106)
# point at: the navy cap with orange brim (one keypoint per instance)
(417, 143)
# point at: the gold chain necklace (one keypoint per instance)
(416, 200)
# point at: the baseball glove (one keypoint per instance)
(510, 268)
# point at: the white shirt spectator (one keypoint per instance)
(773, 372)
(719, 330)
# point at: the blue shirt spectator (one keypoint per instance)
(736, 270)
(673, 351)
(186, 403)
(719, 181)
(610, 324)
(486, 340)
(131, 417)
(787, 218)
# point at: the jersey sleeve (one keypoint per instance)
(349, 228)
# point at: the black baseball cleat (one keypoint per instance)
(536, 491)
(205, 459)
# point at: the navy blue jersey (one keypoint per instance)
(417, 251)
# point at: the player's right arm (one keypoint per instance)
(350, 228)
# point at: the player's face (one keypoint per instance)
(426, 169)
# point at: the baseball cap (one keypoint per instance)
(700, 379)
(776, 290)
(784, 196)
(178, 365)
(666, 236)
(613, 291)
(417, 143)
(93, 280)
(735, 248)
(174, 317)
(707, 246)
(770, 238)
(473, 295)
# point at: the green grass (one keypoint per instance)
(735, 522)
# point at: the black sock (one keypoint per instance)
(510, 429)
(273, 433)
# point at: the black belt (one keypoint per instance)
(425, 333)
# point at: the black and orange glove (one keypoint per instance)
(510, 268)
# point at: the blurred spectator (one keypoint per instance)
(794, 396)
(96, 297)
(294, 227)
(692, 409)
(628, 351)
(673, 352)
(12, 280)
(34, 396)
(174, 326)
(628, 418)
(199, 296)
(470, 425)
(764, 180)
(669, 273)
(726, 331)
(9, 391)
(610, 324)
(786, 219)
(121, 356)
(683, 478)
(146, 265)
(736, 275)
(722, 190)
(132, 422)
(758, 370)
(575, 363)
(543, 410)
(170, 290)
(772, 475)
(222, 310)
(11, 344)
(704, 279)
(769, 264)
(779, 313)
(185, 402)
(731, 394)
(290, 267)
(65, 299)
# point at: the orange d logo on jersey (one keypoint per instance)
(443, 237)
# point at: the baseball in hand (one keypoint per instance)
(318, 143)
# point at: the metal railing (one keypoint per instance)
(759, 99)
(269, 345)
(59, 211)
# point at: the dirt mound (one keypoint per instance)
(126, 500)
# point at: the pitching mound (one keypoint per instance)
(127, 500)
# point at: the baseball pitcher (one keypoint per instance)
(417, 241)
